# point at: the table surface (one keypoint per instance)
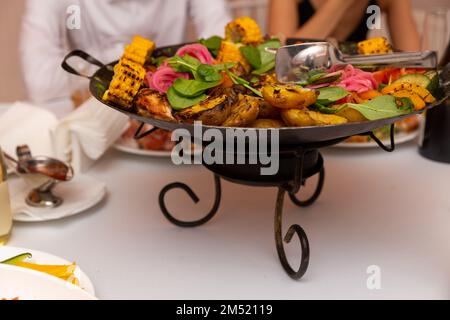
(388, 210)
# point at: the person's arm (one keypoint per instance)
(43, 49)
(284, 18)
(210, 17)
(402, 27)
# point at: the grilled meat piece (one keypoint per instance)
(212, 111)
(152, 104)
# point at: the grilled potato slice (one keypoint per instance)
(351, 115)
(268, 123)
(212, 111)
(288, 96)
(244, 112)
(267, 111)
(306, 118)
(152, 104)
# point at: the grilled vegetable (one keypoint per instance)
(351, 115)
(369, 95)
(414, 78)
(139, 50)
(129, 73)
(416, 100)
(423, 93)
(127, 80)
(244, 30)
(288, 96)
(267, 111)
(244, 112)
(229, 52)
(378, 45)
(212, 111)
(151, 103)
(306, 118)
(267, 123)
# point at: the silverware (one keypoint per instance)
(295, 61)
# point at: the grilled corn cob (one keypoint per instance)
(378, 45)
(229, 52)
(127, 80)
(244, 30)
(139, 50)
(129, 72)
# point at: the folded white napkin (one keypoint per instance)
(80, 138)
(23, 123)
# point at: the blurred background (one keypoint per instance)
(11, 84)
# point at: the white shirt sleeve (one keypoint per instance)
(43, 47)
(210, 17)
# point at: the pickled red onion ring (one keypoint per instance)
(163, 78)
(354, 79)
(198, 51)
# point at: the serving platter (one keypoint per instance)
(99, 82)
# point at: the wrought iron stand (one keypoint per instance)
(303, 169)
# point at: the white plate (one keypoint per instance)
(130, 146)
(39, 257)
(79, 195)
(26, 284)
(124, 146)
(398, 138)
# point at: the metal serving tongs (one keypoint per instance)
(295, 61)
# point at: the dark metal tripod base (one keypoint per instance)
(306, 162)
(291, 188)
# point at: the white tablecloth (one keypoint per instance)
(389, 210)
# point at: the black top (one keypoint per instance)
(306, 11)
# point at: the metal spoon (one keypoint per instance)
(295, 61)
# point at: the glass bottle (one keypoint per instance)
(5, 206)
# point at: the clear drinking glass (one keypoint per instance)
(5, 206)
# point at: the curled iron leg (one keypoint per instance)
(294, 229)
(313, 198)
(139, 134)
(390, 148)
(194, 197)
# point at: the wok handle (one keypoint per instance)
(83, 55)
(426, 59)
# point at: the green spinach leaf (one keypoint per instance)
(208, 73)
(213, 44)
(184, 64)
(179, 102)
(379, 108)
(252, 55)
(257, 56)
(329, 95)
(192, 88)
